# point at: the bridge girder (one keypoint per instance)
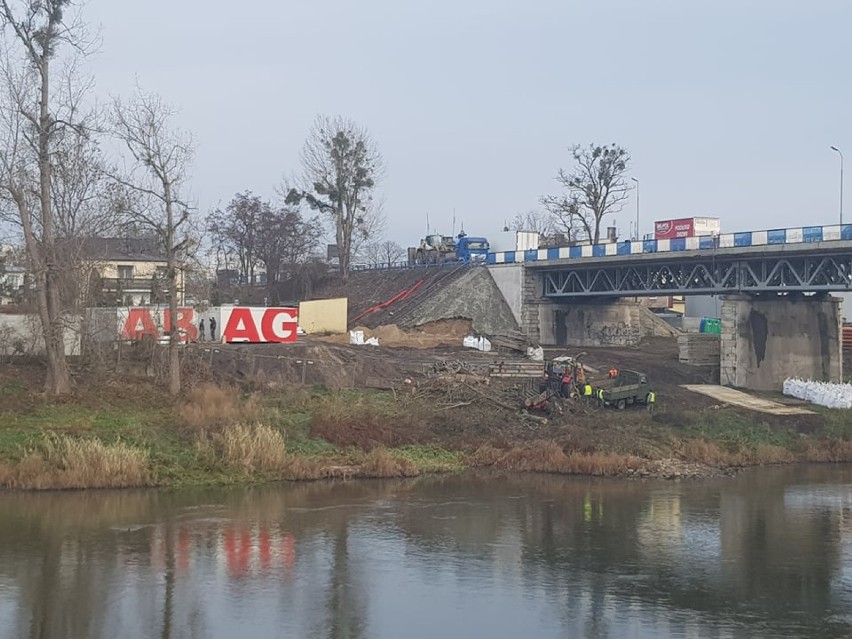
(703, 275)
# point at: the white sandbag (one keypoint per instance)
(356, 337)
(470, 342)
(820, 393)
(373, 341)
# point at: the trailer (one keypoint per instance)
(628, 387)
(441, 249)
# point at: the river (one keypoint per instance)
(767, 553)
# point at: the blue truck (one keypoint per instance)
(440, 249)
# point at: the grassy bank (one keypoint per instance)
(114, 435)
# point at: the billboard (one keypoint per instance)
(686, 227)
(249, 325)
(228, 324)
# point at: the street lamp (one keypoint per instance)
(834, 148)
(638, 237)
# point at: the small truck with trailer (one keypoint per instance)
(441, 249)
(628, 387)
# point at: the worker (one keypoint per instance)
(567, 381)
(601, 395)
(581, 374)
(587, 391)
(651, 399)
(613, 372)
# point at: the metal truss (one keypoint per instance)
(761, 274)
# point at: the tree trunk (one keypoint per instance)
(174, 352)
(58, 380)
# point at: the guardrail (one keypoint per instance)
(745, 239)
(390, 266)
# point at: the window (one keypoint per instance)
(125, 272)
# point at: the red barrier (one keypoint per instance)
(402, 295)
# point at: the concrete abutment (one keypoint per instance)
(766, 340)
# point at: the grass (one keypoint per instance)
(116, 436)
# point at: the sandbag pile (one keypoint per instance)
(820, 393)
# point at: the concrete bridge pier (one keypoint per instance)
(765, 340)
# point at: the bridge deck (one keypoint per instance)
(787, 268)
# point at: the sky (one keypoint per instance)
(728, 109)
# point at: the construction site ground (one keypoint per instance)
(466, 409)
(441, 403)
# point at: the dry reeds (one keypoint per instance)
(549, 457)
(64, 462)
(379, 463)
(825, 450)
(210, 407)
(700, 451)
(255, 447)
(305, 468)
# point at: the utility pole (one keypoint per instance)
(638, 237)
(834, 148)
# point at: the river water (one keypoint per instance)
(768, 553)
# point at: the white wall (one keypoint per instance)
(509, 278)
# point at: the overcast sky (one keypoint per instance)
(727, 108)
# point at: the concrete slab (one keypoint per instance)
(739, 398)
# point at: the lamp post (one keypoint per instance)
(840, 153)
(638, 237)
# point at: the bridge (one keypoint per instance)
(580, 296)
(809, 259)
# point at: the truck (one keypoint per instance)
(686, 227)
(440, 249)
(628, 387)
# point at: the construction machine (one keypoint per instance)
(440, 249)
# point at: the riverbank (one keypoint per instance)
(120, 434)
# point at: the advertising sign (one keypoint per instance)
(243, 324)
(137, 322)
(671, 229)
(233, 324)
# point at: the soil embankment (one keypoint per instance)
(411, 298)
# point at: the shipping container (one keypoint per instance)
(686, 227)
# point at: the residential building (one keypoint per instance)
(128, 271)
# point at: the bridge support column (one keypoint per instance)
(766, 340)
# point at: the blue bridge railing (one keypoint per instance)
(800, 235)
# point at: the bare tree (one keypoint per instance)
(235, 230)
(533, 220)
(287, 241)
(341, 167)
(596, 187)
(161, 156)
(35, 117)
(386, 252)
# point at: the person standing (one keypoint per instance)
(201, 335)
(212, 328)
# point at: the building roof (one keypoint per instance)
(117, 249)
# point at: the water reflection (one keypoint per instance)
(766, 554)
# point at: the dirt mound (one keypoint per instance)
(439, 333)
(414, 297)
